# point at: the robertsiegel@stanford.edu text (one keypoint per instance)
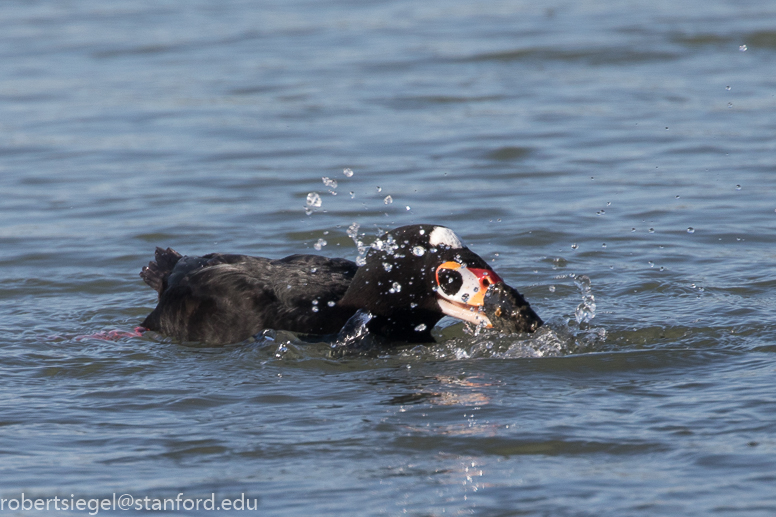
(126, 502)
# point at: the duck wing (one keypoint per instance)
(224, 298)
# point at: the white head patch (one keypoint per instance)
(442, 236)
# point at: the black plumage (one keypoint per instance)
(222, 298)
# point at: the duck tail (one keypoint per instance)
(156, 272)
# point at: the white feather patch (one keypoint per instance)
(442, 236)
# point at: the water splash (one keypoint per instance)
(555, 339)
(313, 202)
(586, 309)
(558, 337)
(362, 248)
(353, 232)
(354, 330)
(388, 245)
(332, 184)
(268, 338)
(320, 244)
(348, 172)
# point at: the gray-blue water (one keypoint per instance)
(629, 142)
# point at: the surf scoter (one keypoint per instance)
(412, 277)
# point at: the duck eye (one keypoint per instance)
(450, 282)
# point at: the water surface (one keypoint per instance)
(629, 143)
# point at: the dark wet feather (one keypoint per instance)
(221, 298)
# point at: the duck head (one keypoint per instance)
(415, 275)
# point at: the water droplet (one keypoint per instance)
(421, 327)
(742, 48)
(395, 287)
(331, 303)
(379, 189)
(666, 130)
(738, 187)
(320, 244)
(651, 230)
(407, 207)
(730, 104)
(352, 195)
(314, 270)
(574, 246)
(690, 230)
(727, 88)
(329, 182)
(315, 302)
(465, 297)
(387, 266)
(603, 245)
(388, 200)
(586, 310)
(418, 251)
(360, 261)
(313, 200)
(353, 231)
(413, 305)
(633, 230)
(677, 196)
(552, 288)
(315, 308)
(348, 173)
(651, 264)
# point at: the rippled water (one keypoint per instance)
(630, 143)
